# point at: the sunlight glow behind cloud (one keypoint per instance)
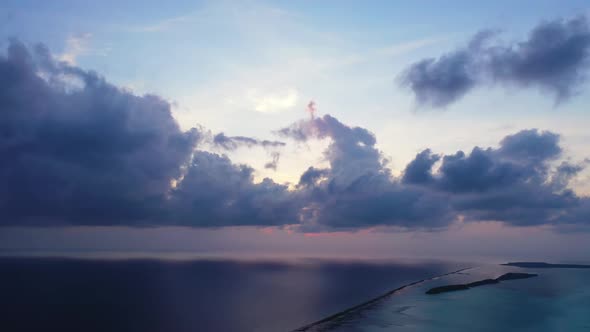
(76, 46)
(273, 102)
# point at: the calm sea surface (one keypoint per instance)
(148, 295)
(557, 300)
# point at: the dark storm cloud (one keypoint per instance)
(312, 175)
(555, 58)
(357, 190)
(522, 158)
(579, 214)
(439, 82)
(531, 146)
(351, 153)
(514, 183)
(419, 170)
(77, 150)
(216, 192)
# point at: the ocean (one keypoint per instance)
(556, 300)
(178, 295)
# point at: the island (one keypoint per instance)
(482, 282)
(447, 288)
(543, 265)
(457, 287)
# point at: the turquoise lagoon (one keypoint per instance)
(558, 299)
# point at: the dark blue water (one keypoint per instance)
(50, 294)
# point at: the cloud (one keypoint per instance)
(352, 152)
(514, 183)
(419, 170)
(358, 190)
(564, 173)
(95, 154)
(162, 25)
(312, 175)
(216, 192)
(274, 163)
(273, 102)
(439, 82)
(407, 47)
(233, 142)
(554, 58)
(77, 150)
(90, 155)
(521, 159)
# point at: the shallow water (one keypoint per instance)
(147, 295)
(556, 300)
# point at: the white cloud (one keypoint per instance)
(273, 102)
(409, 46)
(162, 25)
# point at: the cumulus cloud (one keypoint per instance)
(439, 82)
(78, 150)
(90, 153)
(87, 155)
(554, 58)
(514, 183)
(352, 152)
(216, 192)
(312, 175)
(419, 170)
(358, 190)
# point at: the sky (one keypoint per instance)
(314, 128)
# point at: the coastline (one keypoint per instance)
(364, 305)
